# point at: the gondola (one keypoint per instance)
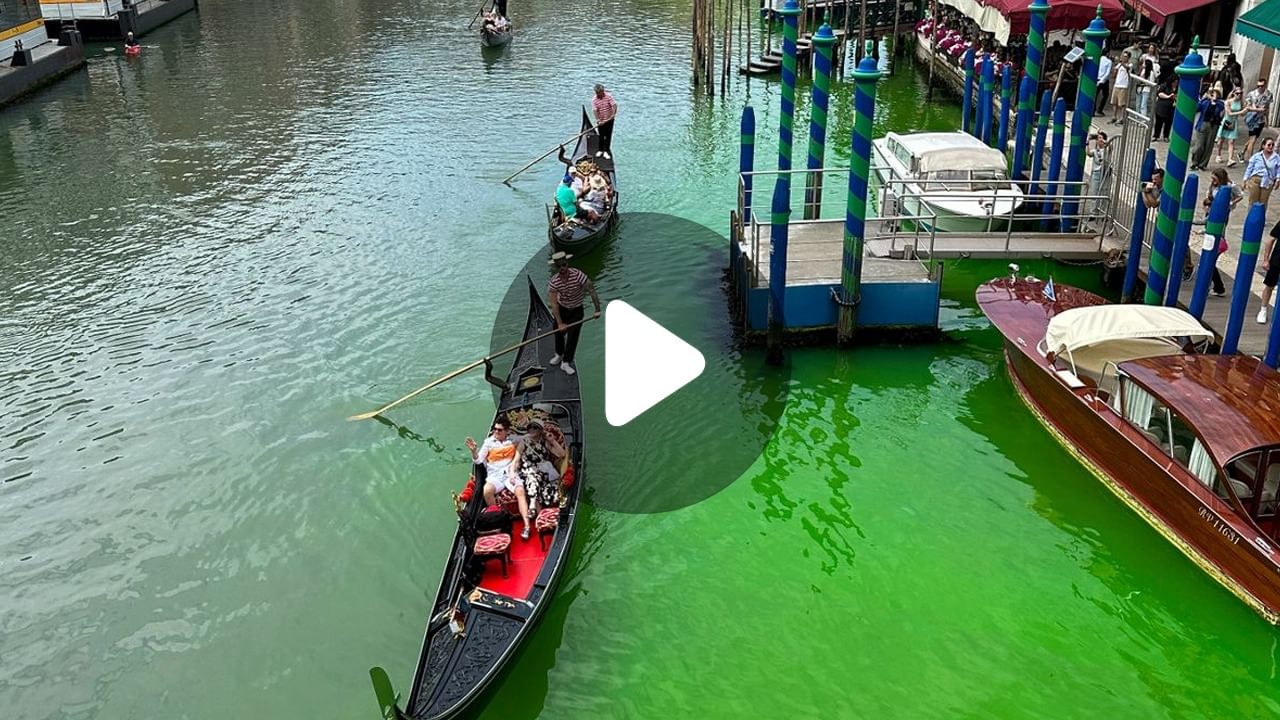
(579, 236)
(497, 38)
(489, 602)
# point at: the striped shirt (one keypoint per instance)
(604, 107)
(569, 290)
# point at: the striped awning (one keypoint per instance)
(1262, 23)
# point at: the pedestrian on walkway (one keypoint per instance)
(1120, 90)
(1230, 128)
(567, 289)
(1261, 173)
(606, 110)
(1104, 83)
(1218, 180)
(1166, 96)
(1210, 111)
(1151, 191)
(1257, 108)
(1270, 266)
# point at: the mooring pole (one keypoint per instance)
(985, 98)
(747, 158)
(1037, 150)
(790, 33)
(1242, 293)
(1215, 225)
(933, 47)
(823, 39)
(1139, 231)
(1182, 239)
(1055, 158)
(1175, 172)
(1022, 128)
(779, 216)
(1006, 91)
(1082, 118)
(864, 109)
(966, 119)
(1033, 68)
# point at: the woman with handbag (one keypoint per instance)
(1229, 130)
(1219, 179)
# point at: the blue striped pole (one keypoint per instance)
(1181, 239)
(1215, 226)
(1094, 36)
(780, 214)
(1175, 172)
(985, 98)
(823, 39)
(864, 111)
(966, 118)
(747, 158)
(1022, 128)
(1035, 40)
(790, 13)
(1006, 89)
(1055, 158)
(1242, 293)
(1037, 151)
(1134, 259)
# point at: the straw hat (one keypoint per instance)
(598, 182)
(559, 257)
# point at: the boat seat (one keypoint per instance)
(1155, 439)
(546, 523)
(1181, 454)
(494, 545)
(1270, 486)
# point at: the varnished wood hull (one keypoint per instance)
(1161, 491)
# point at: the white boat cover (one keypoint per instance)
(960, 158)
(1081, 327)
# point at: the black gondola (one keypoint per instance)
(579, 236)
(497, 600)
(490, 37)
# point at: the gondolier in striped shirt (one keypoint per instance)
(567, 289)
(606, 110)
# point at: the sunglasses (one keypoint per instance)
(499, 428)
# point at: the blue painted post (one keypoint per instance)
(985, 98)
(823, 39)
(1181, 239)
(779, 216)
(1022, 128)
(1189, 73)
(1087, 92)
(1242, 293)
(790, 31)
(864, 111)
(1139, 231)
(1006, 89)
(1214, 227)
(1037, 151)
(966, 118)
(1055, 157)
(747, 158)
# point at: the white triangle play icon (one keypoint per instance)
(643, 363)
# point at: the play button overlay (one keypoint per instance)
(675, 407)
(644, 363)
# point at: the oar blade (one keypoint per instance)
(388, 701)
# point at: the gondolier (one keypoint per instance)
(606, 110)
(567, 289)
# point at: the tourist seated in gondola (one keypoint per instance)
(500, 456)
(539, 455)
(495, 21)
(596, 199)
(567, 199)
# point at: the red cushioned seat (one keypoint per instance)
(546, 523)
(495, 545)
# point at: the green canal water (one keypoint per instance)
(288, 212)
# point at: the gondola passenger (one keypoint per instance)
(567, 199)
(500, 455)
(538, 455)
(596, 199)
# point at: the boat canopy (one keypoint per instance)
(960, 158)
(1081, 327)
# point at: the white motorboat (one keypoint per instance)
(950, 175)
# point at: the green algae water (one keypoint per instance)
(286, 213)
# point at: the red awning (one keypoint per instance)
(1158, 10)
(1067, 14)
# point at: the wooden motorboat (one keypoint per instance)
(490, 601)
(1190, 441)
(952, 176)
(579, 236)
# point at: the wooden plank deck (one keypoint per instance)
(883, 243)
(814, 259)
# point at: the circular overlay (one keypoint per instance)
(703, 437)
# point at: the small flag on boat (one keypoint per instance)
(1049, 292)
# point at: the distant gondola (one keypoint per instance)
(579, 237)
(490, 37)
(486, 607)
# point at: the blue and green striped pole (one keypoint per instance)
(1022, 128)
(1006, 92)
(747, 158)
(790, 32)
(1175, 172)
(823, 40)
(1037, 151)
(1242, 293)
(1086, 94)
(1215, 226)
(1032, 71)
(779, 216)
(1139, 231)
(1181, 239)
(864, 110)
(1055, 158)
(985, 98)
(1035, 40)
(966, 115)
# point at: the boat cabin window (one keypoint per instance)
(1255, 476)
(964, 180)
(903, 155)
(1164, 428)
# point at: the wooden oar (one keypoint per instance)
(555, 147)
(460, 371)
(477, 17)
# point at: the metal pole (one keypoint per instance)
(823, 39)
(1175, 172)
(1181, 239)
(1082, 118)
(1214, 227)
(1242, 292)
(1139, 230)
(864, 107)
